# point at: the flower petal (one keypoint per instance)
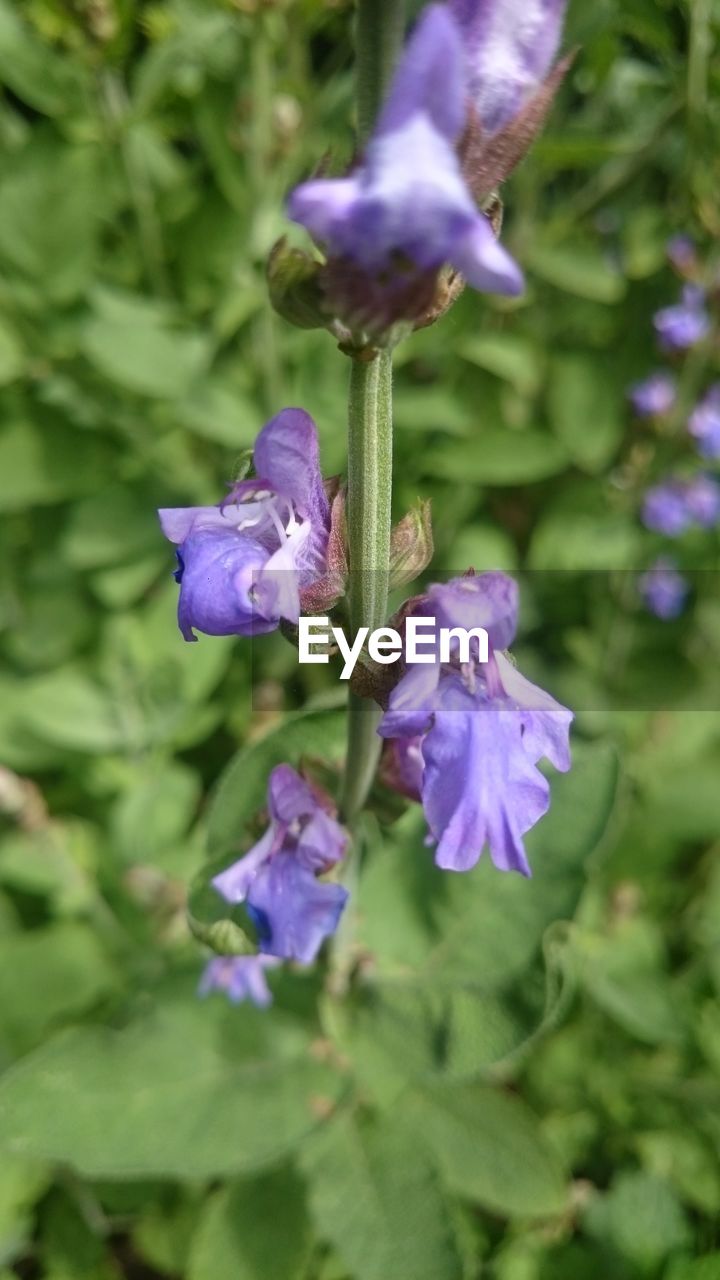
(484, 263)
(292, 911)
(510, 46)
(287, 459)
(429, 77)
(216, 580)
(480, 787)
(546, 723)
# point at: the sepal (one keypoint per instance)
(488, 159)
(214, 923)
(295, 286)
(331, 587)
(411, 545)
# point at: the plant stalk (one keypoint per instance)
(379, 31)
(378, 35)
(368, 517)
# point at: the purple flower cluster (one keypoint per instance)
(674, 506)
(239, 978)
(682, 254)
(704, 423)
(467, 737)
(407, 204)
(654, 396)
(679, 503)
(684, 325)
(664, 589)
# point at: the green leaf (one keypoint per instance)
(32, 70)
(641, 1217)
(140, 349)
(685, 801)
(154, 812)
(568, 539)
(242, 787)
(51, 202)
(12, 357)
(69, 709)
(180, 1094)
(624, 972)
(21, 1184)
(490, 1149)
(47, 975)
(375, 1198)
(586, 410)
(585, 272)
(48, 464)
(514, 359)
(49, 862)
(110, 527)
(498, 456)
(253, 1230)
(705, 1268)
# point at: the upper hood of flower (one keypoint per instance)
(510, 46)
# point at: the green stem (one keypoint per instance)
(699, 56)
(378, 40)
(368, 518)
(369, 488)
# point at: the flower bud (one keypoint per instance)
(411, 545)
(209, 922)
(294, 284)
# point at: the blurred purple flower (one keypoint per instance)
(663, 589)
(509, 47)
(293, 912)
(665, 509)
(484, 728)
(242, 564)
(704, 423)
(682, 254)
(239, 978)
(654, 396)
(684, 325)
(407, 199)
(702, 497)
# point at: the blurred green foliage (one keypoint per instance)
(524, 1083)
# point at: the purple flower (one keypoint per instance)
(484, 728)
(239, 978)
(664, 589)
(704, 423)
(665, 509)
(292, 911)
(681, 254)
(509, 48)
(654, 396)
(407, 199)
(243, 563)
(684, 325)
(702, 496)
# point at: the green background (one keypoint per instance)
(523, 1083)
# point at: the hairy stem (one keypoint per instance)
(378, 39)
(378, 35)
(368, 515)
